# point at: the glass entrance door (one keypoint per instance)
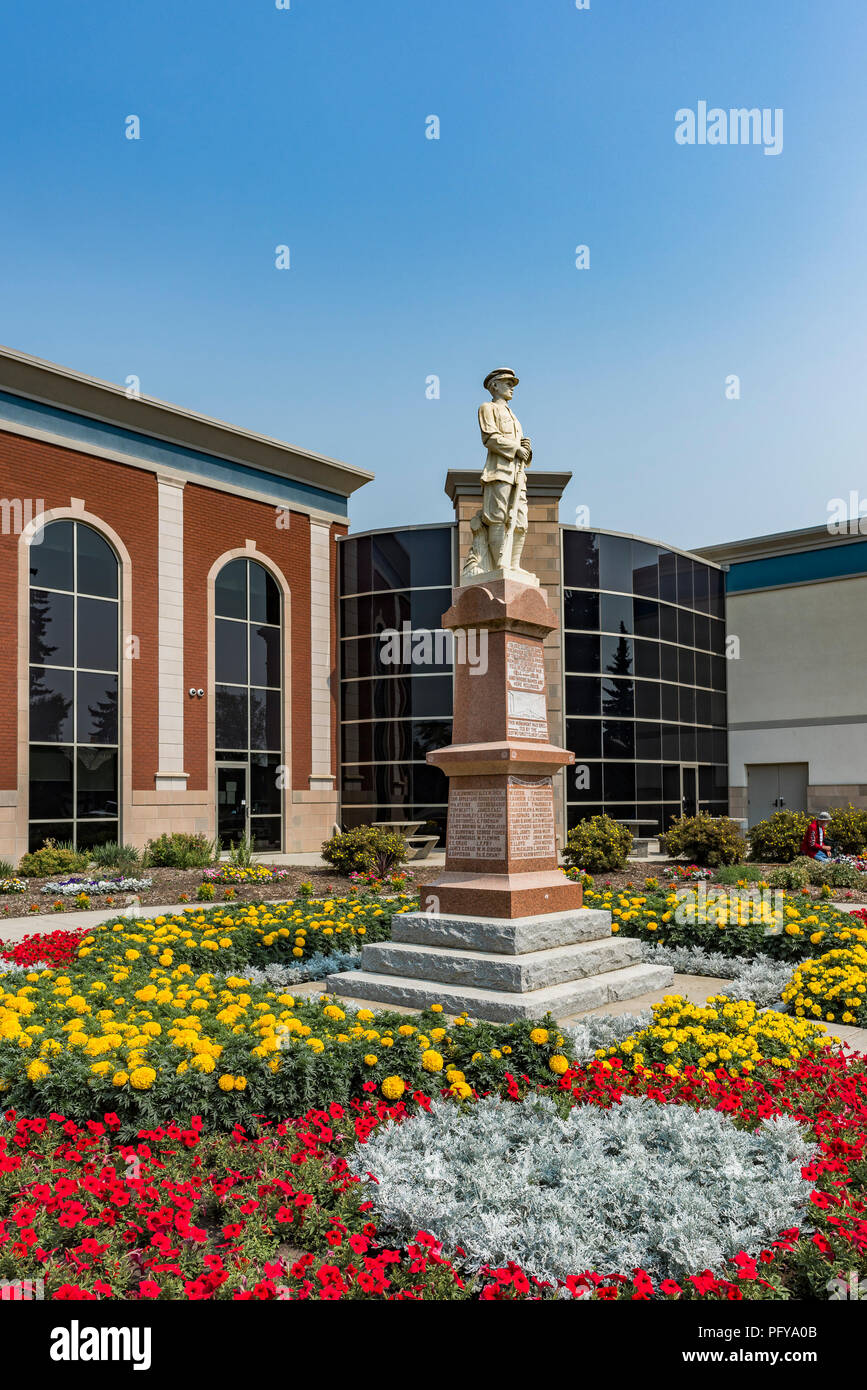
(689, 788)
(232, 803)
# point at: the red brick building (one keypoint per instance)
(168, 614)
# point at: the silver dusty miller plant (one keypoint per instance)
(640, 1185)
(757, 978)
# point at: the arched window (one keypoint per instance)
(248, 661)
(74, 687)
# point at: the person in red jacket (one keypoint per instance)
(814, 843)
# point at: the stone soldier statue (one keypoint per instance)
(500, 528)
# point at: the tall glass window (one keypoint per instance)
(248, 664)
(74, 687)
(394, 707)
(645, 680)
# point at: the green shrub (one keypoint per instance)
(7, 870)
(705, 839)
(53, 859)
(180, 851)
(848, 830)
(843, 875)
(206, 892)
(794, 875)
(777, 840)
(111, 855)
(367, 847)
(241, 854)
(598, 845)
(737, 873)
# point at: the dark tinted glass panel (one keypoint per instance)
(647, 741)
(645, 569)
(713, 784)
(97, 564)
(584, 782)
(667, 623)
(704, 745)
(669, 667)
(618, 740)
(686, 628)
(51, 628)
(648, 781)
(700, 587)
(686, 666)
(703, 707)
(618, 781)
(684, 580)
(40, 834)
(716, 584)
(356, 569)
(96, 832)
(265, 832)
(575, 814)
(720, 745)
(430, 695)
(687, 704)
(669, 703)
(668, 578)
(584, 739)
(687, 744)
(265, 655)
(97, 782)
(616, 613)
(264, 596)
(230, 715)
(581, 559)
(265, 794)
(230, 651)
(702, 632)
(51, 562)
(718, 672)
(702, 669)
(420, 608)
(671, 783)
(718, 638)
(412, 559)
(670, 735)
(231, 755)
(50, 705)
(97, 708)
(647, 699)
(582, 653)
(230, 590)
(617, 655)
(646, 617)
(427, 736)
(50, 783)
(582, 695)
(647, 659)
(718, 707)
(97, 633)
(615, 563)
(581, 610)
(429, 783)
(265, 706)
(618, 699)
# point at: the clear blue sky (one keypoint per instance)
(413, 257)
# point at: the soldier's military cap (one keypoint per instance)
(499, 372)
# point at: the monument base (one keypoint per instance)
(518, 576)
(503, 895)
(562, 963)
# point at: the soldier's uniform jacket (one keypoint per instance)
(501, 436)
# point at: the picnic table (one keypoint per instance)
(419, 845)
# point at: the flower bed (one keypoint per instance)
(182, 1213)
(43, 948)
(73, 887)
(251, 873)
(13, 885)
(834, 987)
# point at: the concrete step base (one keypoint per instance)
(499, 1006)
(522, 974)
(505, 937)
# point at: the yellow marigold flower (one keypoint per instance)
(393, 1088)
(143, 1078)
(431, 1060)
(120, 1078)
(436, 1008)
(370, 1059)
(558, 1064)
(539, 1036)
(37, 1070)
(226, 1082)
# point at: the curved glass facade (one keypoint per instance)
(645, 676)
(643, 648)
(395, 675)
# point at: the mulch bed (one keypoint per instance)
(170, 885)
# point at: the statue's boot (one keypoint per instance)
(517, 548)
(496, 540)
